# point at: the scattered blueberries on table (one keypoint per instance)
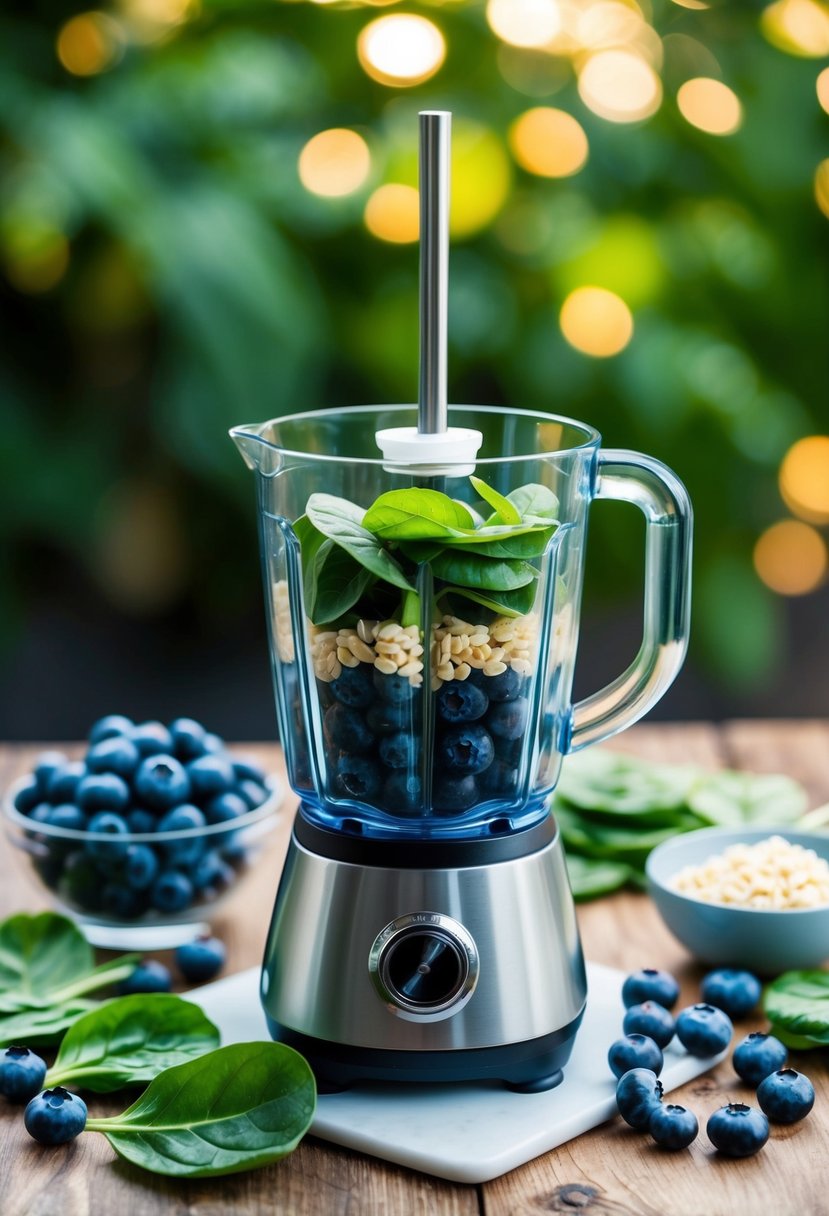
(757, 1057)
(735, 992)
(200, 960)
(703, 1030)
(673, 1126)
(21, 1074)
(634, 1051)
(737, 1130)
(148, 976)
(650, 984)
(652, 1020)
(55, 1116)
(638, 1095)
(786, 1096)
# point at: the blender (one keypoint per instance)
(423, 572)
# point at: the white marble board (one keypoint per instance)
(467, 1133)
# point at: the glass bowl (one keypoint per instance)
(98, 880)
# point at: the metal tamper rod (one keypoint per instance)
(433, 448)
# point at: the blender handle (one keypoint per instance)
(663, 500)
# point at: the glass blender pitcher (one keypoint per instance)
(423, 570)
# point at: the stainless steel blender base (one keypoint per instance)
(455, 961)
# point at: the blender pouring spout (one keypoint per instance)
(258, 453)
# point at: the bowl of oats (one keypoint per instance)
(755, 898)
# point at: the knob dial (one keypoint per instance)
(424, 966)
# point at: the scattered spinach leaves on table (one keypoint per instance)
(797, 1005)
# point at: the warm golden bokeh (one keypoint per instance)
(822, 186)
(800, 27)
(790, 557)
(401, 49)
(822, 86)
(596, 322)
(393, 213)
(334, 162)
(548, 142)
(527, 23)
(710, 105)
(804, 478)
(89, 44)
(620, 86)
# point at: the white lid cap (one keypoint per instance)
(449, 453)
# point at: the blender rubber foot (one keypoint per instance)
(538, 1085)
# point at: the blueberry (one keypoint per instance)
(503, 687)
(141, 866)
(27, 796)
(110, 727)
(122, 902)
(456, 793)
(152, 739)
(67, 816)
(55, 1116)
(508, 750)
(187, 849)
(465, 750)
(386, 719)
(652, 1020)
(346, 728)
(499, 780)
(42, 813)
(200, 960)
(786, 1096)
(102, 792)
(402, 792)
(161, 783)
(703, 1030)
(225, 807)
(673, 1126)
(737, 1130)
(357, 777)
(172, 891)
(252, 793)
(508, 719)
(148, 976)
(214, 744)
(84, 884)
(141, 822)
(46, 765)
(398, 751)
(248, 770)
(757, 1057)
(188, 738)
(461, 702)
(353, 686)
(650, 985)
(114, 827)
(63, 784)
(395, 689)
(210, 775)
(21, 1074)
(735, 992)
(118, 755)
(638, 1095)
(212, 873)
(634, 1051)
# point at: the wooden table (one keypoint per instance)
(611, 1170)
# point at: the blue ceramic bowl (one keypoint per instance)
(763, 940)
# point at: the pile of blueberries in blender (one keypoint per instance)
(372, 725)
(141, 780)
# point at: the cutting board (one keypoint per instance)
(467, 1133)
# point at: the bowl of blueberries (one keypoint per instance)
(139, 839)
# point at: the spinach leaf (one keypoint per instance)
(482, 573)
(234, 1109)
(591, 878)
(339, 520)
(42, 1026)
(129, 1040)
(526, 543)
(798, 1002)
(417, 514)
(732, 799)
(504, 603)
(493, 532)
(506, 510)
(616, 786)
(535, 501)
(333, 583)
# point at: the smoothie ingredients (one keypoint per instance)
(786, 1096)
(757, 1057)
(634, 1051)
(638, 1095)
(735, 992)
(650, 984)
(737, 1130)
(55, 1116)
(21, 1074)
(703, 1030)
(652, 1020)
(148, 976)
(797, 1005)
(773, 873)
(673, 1126)
(200, 960)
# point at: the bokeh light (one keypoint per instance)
(393, 213)
(608, 23)
(481, 178)
(334, 162)
(401, 49)
(548, 142)
(822, 86)
(622, 255)
(710, 105)
(800, 27)
(804, 478)
(822, 186)
(790, 557)
(620, 86)
(88, 44)
(36, 257)
(528, 23)
(596, 322)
